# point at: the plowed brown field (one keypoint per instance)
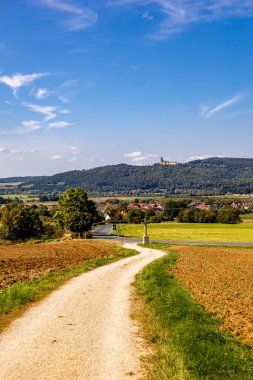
(222, 280)
(19, 263)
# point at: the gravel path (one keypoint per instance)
(81, 331)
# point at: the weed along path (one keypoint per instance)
(81, 331)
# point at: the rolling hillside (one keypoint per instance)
(213, 175)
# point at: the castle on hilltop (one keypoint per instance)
(163, 162)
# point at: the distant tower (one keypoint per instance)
(162, 160)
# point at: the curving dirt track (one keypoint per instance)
(82, 331)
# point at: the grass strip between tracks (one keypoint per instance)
(185, 337)
(15, 299)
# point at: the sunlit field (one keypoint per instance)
(192, 232)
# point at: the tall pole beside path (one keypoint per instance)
(145, 237)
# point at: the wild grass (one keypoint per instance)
(191, 232)
(15, 299)
(186, 339)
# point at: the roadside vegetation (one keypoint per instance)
(31, 272)
(186, 340)
(190, 231)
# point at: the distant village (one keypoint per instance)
(155, 210)
(122, 211)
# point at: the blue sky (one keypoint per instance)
(91, 83)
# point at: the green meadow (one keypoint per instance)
(22, 197)
(191, 231)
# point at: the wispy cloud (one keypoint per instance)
(16, 81)
(208, 112)
(195, 158)
(28, 126)
(48, 111)
(56, 157)
(59, 124)
(139, 156)
(178, 15)
(204, 157)
(78, 17)
(65, 111)
(147, 16)
(74, 150)
(64, 92)
(73, 159)
(42, 93)
(31, 125)
(6, 151)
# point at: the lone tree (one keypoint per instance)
(19, 222)
(76, 212)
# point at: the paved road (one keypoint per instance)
(103, 230)
(104, 233)
(82, 331)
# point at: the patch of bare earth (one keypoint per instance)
(222, 280)
(22, 262)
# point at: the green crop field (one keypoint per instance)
(22, 197)
(191, 232)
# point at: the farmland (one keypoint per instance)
(221, 280)
(187, 340)
(22, 262)
(191, 231)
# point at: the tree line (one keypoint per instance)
(75, 212)
(179, 210)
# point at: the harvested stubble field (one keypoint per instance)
(22, 262)
(222, 280)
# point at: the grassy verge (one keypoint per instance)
(15, 299)
(186, 338)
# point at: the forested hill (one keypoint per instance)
(213, 175)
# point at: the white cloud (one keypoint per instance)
(147, 16)
(8, 103)
(28, 126)
(78, 17)
(42, 93)
(69, 83)
(56, 157)
(208, 112)
(31, 125)
(59, 124)
(139, 156)
(8, 151)
(204, 157)
(75, 150)
(133, 154)
(65, 98)
(48, 111)
(73, 159)
(65, 111)
(17, 81)
(178, 15)
(194, 158)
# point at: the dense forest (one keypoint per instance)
(209, 176)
